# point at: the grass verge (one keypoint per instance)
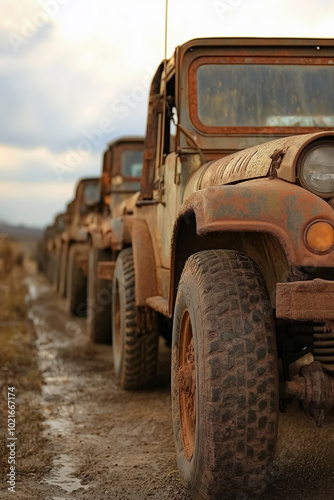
(19, 369)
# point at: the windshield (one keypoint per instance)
(91, 194)
(265, 95)
(132, 163)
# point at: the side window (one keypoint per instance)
(91, 194)
(132, 163)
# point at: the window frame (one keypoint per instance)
(248, 60)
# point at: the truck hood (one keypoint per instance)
(277, 158)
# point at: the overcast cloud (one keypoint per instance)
(74, 74)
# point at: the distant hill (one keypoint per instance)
(21, 233)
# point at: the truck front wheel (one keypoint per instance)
(76, 281)
(98, 299)
(224, 376)
(134, 329)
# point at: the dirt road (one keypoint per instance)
(108, 444)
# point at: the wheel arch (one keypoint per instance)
(266, 219)
(144, 260)
(263, 247)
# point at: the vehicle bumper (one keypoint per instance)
(305, 300)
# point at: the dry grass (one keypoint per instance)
(10, 255)
(19, 368)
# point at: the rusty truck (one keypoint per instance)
(121, 174)
(231, 252)
(63, 252)
(43, 257)
(74, 248)
(54, 247)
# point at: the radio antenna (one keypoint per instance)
(166, 22)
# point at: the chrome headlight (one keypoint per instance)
(316, 168)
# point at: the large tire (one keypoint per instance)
(99, 294)
(134, 330)
(76, 282)
(224, 377)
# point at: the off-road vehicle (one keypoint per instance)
(54, 245)
(74, 253)
(121, 173)
(43, 257)
(232, 243)
(64, 250)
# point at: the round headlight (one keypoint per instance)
(316, 168)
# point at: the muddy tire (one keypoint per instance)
(224, 377)
(76, 281)
(134, 330)
(98, 299)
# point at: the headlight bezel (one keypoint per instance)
(312, 146)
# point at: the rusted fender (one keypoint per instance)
(276, 158)
(144, 261)
(262, 205)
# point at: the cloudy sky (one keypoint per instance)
(74, 74)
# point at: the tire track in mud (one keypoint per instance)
(107, 443)
(57, 407)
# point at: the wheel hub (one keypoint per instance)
(187, 386)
